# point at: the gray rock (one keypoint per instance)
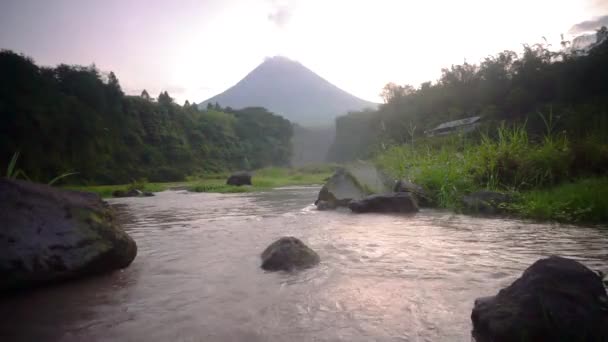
(353, 182)
(556, 299)
(239, 178)
(422, 196)
(339, 190)
(288, 253)
(50, 235)
(399, 202)
(486, 202)
(148, 194)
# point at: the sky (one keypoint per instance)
(196, 49)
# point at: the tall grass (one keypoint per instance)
(508, 160)
(12, 172)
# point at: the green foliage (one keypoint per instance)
(568, 88)
(76, 118)
(581, 201)
(510, 161)
(60, 177)
(11, 171)
(264, 179)
(107, 190)
(139, 184)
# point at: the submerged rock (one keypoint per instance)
(556, 299)
(486, 202)
(399, 202)
(288, 253)
(239, 178)
(422, 196)
(48, 234)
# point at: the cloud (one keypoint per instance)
(590, 25)
(280, 13)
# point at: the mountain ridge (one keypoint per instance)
(292, 90)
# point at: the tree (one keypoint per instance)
(144, 95)
(164, 98)
(114, 84)
(187, 104)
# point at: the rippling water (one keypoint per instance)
(382, 277)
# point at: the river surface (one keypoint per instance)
(382, 277)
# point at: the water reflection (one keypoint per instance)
(382, 277)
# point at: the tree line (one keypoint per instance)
(568, 86)
(76, 118)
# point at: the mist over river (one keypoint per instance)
(381, 278)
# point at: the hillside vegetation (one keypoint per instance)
(543, 138)
(507, 87)
(76, 118)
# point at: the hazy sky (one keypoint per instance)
(195, 49)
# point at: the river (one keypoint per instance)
(382, 277)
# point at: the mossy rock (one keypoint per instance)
(49, 235)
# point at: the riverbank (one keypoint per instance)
(263, 179)
(550, 178)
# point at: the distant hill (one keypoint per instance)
(291, 90)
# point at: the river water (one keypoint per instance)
(382, 277)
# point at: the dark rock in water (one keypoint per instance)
(288, 253)
(556, 299)
(239, 178)
(399, 202)
(486, 202)
(422, 196)
(48, 235)
(324, 205)
(134, 193)
(129, 193)
(148, 194)
(119, 193)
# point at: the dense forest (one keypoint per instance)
(508, 87)
(77, 119)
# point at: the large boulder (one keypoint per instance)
(350, 183)
(556, 299)
(399, 202)
(239, 178)
(422, 196)
(486, 202)
(48, 234)
(288, 253)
